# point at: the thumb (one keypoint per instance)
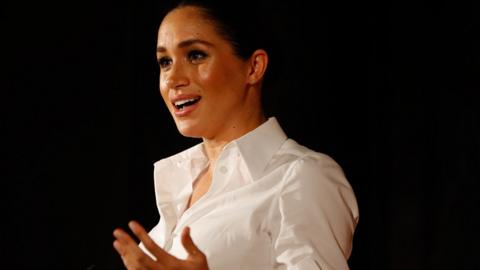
(188, 244)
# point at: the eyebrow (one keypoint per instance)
(186, 43)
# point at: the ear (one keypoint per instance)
(257, 63)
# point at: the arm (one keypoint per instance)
(318, 213)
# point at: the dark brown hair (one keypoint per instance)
(244, 25)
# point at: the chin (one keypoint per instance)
(189, 134)
(188, 130)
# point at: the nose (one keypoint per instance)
(176, 77)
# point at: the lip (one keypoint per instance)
(186, 110)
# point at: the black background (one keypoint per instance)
(389, 89)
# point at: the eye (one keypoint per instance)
(196, 56)
(164, 62)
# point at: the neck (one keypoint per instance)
(234, 130)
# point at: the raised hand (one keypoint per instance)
(135, 259)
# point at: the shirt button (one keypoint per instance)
(223, 169)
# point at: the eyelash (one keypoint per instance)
(162, 62)
(194, 56)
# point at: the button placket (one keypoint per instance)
(221, 170)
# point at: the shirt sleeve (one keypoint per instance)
(318, 213)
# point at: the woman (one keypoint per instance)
(247, 197)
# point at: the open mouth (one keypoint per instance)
(182, 104)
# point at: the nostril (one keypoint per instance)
(175, 80)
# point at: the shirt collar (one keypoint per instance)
(259, 145)
(174, 175)
(256, 148)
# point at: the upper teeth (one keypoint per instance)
(182, 102)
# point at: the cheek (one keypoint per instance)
(164, 93)
(214, 75)
(206, 76)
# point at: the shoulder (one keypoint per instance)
(303, 158)
(310, 168)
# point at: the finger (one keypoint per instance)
(123, 237)
(148, 242)
(124, 243)
(119, 248)
(187, 242)
(133, 257)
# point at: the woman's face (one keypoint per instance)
(202, 81)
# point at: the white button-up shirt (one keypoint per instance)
(272, 204)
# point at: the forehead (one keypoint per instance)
(186, 23)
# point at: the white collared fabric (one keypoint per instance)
(272, 204)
